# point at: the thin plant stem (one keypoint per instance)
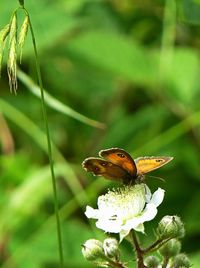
(48, 143)
(114, 264)
(156, 245)
(165, 262)
(138, 250)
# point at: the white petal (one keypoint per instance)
(147, 193)
(149, 213)
(133, 223)
(92, 213)
(157, 197)
(109, 226)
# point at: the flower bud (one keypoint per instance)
(110, 246)
(92, 250)
(152, 262)
(181, 260)
(171, 248)
(170, 226)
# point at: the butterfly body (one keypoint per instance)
(116, 164)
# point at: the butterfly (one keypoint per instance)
(116, 164)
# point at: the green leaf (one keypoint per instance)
(116, 54)
(184, 75)
(55, 103)
(189, 11)
(41, 248)
(195, 260)
(192, 215)
(26, 198)
(130, 133)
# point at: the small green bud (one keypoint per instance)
(111, 247)
(181, 260)
(152, 262)
(171, 248)
(170, 226)
(92, 250)
(22, 34)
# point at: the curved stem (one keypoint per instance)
(156, 245)
(112, 263)
(115, 264)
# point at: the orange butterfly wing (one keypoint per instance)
(118, 165)
(101, 167)
(147, 164)
(120, 158)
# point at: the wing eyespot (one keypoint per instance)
(121, 155)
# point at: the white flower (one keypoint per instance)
(126, 208)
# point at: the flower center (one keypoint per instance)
(124, 203)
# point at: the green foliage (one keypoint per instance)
(189, 11)
(42, 246)
(121, 57)
(132, 66)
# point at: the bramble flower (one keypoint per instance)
(126, 208)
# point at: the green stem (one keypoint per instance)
(48, 143)
(113, 264)
(165, 262)
(138, 250)
(116, 264)
(156, 245)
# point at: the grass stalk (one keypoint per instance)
(48, 143)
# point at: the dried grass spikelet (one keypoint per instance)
(22, 35)
(3, 35)
(12, 55)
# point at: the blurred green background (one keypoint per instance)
(131, 65)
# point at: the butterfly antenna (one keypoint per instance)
(158, 178)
